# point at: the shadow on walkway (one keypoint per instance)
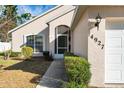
(55, 76)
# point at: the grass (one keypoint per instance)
(22, 73)
(8, 62)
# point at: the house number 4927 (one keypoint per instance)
(99, 43)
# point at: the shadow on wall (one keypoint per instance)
(35, 65)
(61, 29)
(44, 32)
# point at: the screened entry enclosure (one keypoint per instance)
(62, 39)
(36, 42)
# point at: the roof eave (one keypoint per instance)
(34, 18)
(77, 15)
(60, 16)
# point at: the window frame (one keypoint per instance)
(25, 40)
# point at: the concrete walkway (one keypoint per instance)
(54, 76)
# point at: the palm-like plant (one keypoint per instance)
(23, 18)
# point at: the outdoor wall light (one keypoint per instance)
(98, 20)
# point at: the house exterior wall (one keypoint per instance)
(94, 53)
(35, 27)
(19, 37)
(80, 34)
(63, 20)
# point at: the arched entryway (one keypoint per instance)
(62, 41)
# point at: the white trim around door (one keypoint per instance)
(62, 34)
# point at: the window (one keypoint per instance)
(30, 41)
(36, 42)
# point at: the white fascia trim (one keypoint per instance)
(76, 14)
(73, 18)
(35, 18)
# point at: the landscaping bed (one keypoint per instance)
(78, 71)
(22, 73)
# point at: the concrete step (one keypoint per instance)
(47, 82)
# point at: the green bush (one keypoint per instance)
(1, 53)
(12, 54)
(68, 54)
(8, 52)
(27, 52)
(78, 71)
(15, 54)
(73, 84)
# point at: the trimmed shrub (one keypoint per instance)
(68, 54)
(12, 54)
(15, 54)
(73, 84)
(78, 71)
(1, 53)
(27, 52)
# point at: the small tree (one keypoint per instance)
(27, 52)
(7, 54)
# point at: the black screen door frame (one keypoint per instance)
(66, 48)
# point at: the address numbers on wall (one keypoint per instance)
(96, 40)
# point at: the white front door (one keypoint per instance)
(114, 56)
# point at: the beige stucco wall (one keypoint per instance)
(63, 20)
(96, 56)
(80, 34)
(19, 37)
(37, 26)
(83, 45)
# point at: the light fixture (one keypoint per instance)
(98, 20)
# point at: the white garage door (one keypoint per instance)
(114, 64)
